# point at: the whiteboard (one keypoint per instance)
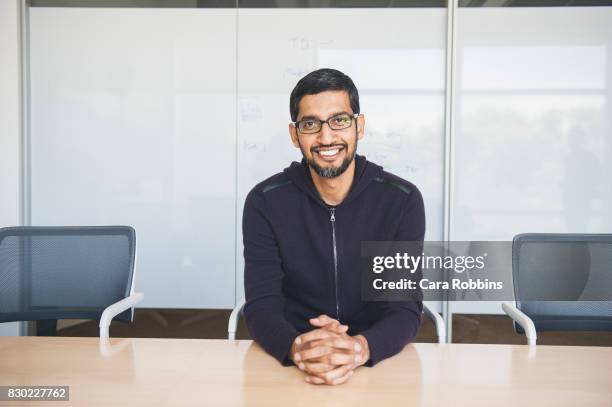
(133, 122)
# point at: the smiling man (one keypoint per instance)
(302, 232)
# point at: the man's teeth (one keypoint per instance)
(329, 153)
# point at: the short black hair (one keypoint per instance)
(319, 81)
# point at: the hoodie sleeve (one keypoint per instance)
(401, 319)
(263, 276)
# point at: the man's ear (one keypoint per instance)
(360, 126)
(294, 136)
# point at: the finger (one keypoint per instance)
(313, 335)
(343, 379)
(314, 380)
(339, 343)
(312, 353)
(323, 319)
(335, 374)
(328, 322)
(337, 328)
(316, 367)
(340, 359)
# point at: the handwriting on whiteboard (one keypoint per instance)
(297, 72)
(305, 44)
(306, 49)
(250, 147)
(250, 110)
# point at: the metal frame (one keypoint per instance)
(25, 328)
(449, 132)
(438, 322)
(115, 309)
(232, 324)
(128, 302)
(523, 320)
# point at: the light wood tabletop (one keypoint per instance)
(238, 373)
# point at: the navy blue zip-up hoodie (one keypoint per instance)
(302, 257)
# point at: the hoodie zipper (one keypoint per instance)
(332, 219)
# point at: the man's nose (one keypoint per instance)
(326, 134)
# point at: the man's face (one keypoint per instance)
(328, 152)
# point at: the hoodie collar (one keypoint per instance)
(365, 172)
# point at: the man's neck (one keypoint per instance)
(334, 190)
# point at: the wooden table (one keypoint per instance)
(152, 372)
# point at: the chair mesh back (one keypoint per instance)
(64, 272)
(564, 281)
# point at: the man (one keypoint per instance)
(302, 231)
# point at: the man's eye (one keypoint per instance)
(308, 124)
(340, 120)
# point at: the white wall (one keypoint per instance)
(9, 123)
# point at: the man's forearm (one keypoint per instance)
(272, 332)
(393, 332)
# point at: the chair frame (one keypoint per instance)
(118, 307)
(523, 320)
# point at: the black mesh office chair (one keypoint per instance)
(50, 273)
(562, 282)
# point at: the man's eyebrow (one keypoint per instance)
(310, 117)
(337, 113)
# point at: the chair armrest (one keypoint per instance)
(438, 322)
(232, 324)
(523, 320)
(108, 349)
(115, 309)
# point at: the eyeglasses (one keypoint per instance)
(338, 122)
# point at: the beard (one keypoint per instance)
(330, 172)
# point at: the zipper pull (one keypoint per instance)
(332, 211)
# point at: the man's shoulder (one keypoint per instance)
(396, 184)
(274, 183)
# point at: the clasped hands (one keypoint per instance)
(328, 354)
